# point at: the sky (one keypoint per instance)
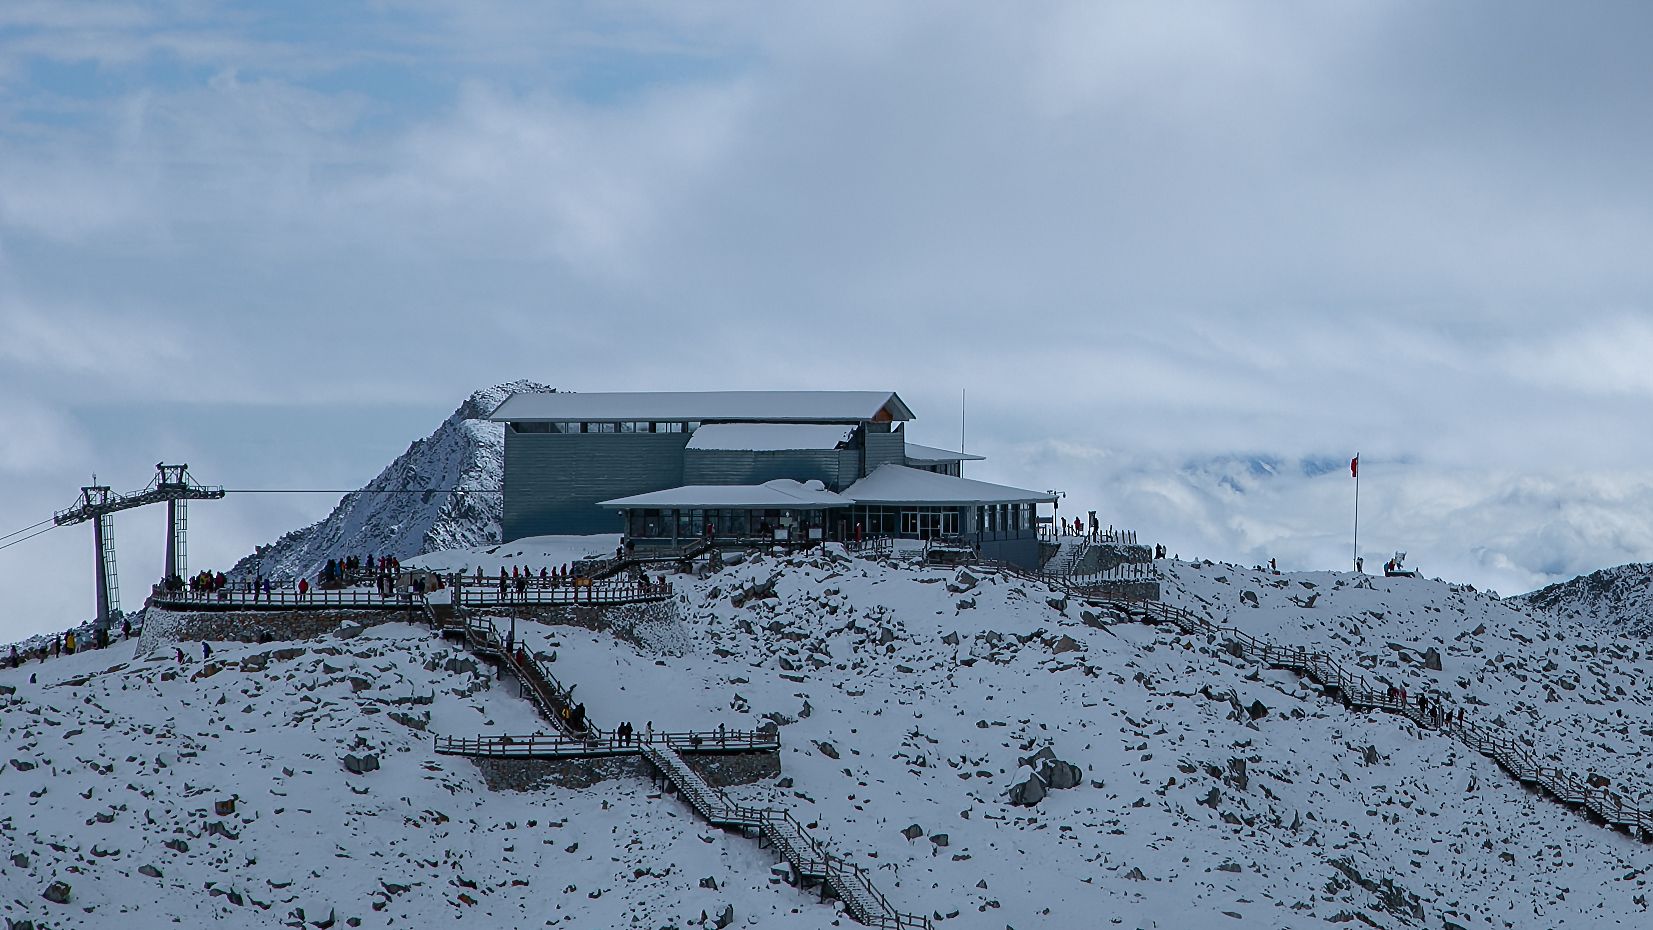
(1184, 258)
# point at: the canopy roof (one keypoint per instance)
(770, 437)
(773, 406)
(918, 453)
(779, 494)
(898, 484)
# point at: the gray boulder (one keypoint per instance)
(362, 764)
(1432, 658)
(57, 893)
(1028, 792)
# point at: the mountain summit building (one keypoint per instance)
(753, 465)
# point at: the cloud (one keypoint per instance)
(1143, 236)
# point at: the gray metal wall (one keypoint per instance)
(1021, 552)
(723, 466)
(553, 480)
(884, 448)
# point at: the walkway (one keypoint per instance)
(1606, 806)
(468, 592)
(809, 859)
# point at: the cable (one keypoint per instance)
(28, 537)
(26, 528)
(365, 491)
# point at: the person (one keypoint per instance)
(619, 553)
(1460, 716)
(206, 649)
(126, 629)
(180, 653)
(1273, 566)
(648, 733)
(69, 643)
(13, 656)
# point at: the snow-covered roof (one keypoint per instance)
(770, 437)
(779, 494)
(898, 484)
(782, 406)
(918, 453)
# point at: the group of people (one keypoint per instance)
(67, 643)
(1433, 710)
(518, 580)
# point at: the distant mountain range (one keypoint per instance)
(391, 517)
(1620, 597)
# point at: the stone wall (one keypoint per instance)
(534, 774)
(164, 628)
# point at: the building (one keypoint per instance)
(771, 465)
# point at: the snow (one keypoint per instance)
(770, 437)
(779, 493)
(898, 484)
(918, 453)
(929, 687)
(845, 406)
(534, 552)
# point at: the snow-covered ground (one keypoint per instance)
(902, 703)
(533, 554)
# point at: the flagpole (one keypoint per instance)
(1357, 511)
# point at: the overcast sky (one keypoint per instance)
(1187, 258)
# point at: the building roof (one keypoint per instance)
(898, 484)
(770, 437)
(773, 406)
(779, 494)
(918, 453)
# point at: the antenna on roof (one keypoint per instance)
(961, 420)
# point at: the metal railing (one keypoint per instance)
(808, 856)
(607, 743)
(537, 591)
(231, 598)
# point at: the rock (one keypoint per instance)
(726, 918)
(1059, 774)
(1058, 604)
(149, 870)
(965, 603)
(1028, 792)
(827, 749)
(962, 582)
(1257, 710)
(362, 764)
(1212, 799)
(1249, 597)
(1065, 643)
(1432, 658)
(224, 808)
(940, 839)
(20, 860)
(22, 765)
(57, 892)
(709, 882)
(1237, 774)
(913, 832)
(951, 639)
(1135, 875)
(177, 845)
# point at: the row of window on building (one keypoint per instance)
(997, 520)
(616, 426)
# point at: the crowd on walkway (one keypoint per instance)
(66, 643)
(519, 581)
(1433, 711)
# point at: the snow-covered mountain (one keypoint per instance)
(1620, 597)
(385, 518)
(907, 699)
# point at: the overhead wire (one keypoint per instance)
(24, 539)
(26, 528)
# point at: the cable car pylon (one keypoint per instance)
(98, 504)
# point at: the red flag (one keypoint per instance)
(1354, 467)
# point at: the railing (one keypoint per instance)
(542, 686)
(879, 544)
(568, 592)
(236, 599)
(1354, 689)
(606, 742)
(807, 855)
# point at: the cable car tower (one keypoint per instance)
(98, 504)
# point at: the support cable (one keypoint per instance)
(28, 537)
(26, 528)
